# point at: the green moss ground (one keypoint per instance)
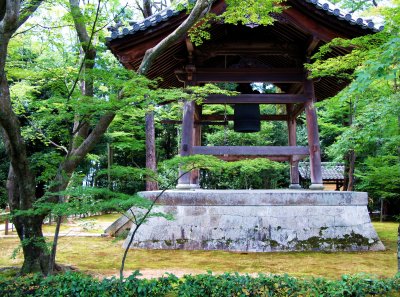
(103, 256)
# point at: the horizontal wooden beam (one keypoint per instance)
(251, 150)
(250, 47)
(245, 75)
(256, 98)
(219, 119)
(272, 158)
(203, 123)
(266, 117)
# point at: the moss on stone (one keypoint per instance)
(270, 242)
(348, 240)
(321, 230)
(181, 241)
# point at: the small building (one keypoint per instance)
(249, 220)
(332, 175)
(244, 54)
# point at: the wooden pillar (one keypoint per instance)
(184, 181)
(195, 174)
(151, 163)
(294, 165)
(313, 137)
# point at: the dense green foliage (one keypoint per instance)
(364, 117)
(75, 284)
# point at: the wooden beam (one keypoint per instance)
(295, 89)
(267, 117)
(292, 140)
(195, 174)
(187, 139)
(312, 44)
(218, 119)
(313, 137)
(249, 47)
(202, 123)
(245, 75)
(306, 24)
(297, 110)
(251, 150)
(272, 158)
(256, 98)
(151, 162)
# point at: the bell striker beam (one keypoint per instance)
(313, 136)
(294, 164)
(151, 163)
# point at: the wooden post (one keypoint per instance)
(6, 222)
(151, 163)
(294, 165)
(195, 174)
(313, 137)
(109, 165)
(184, 181)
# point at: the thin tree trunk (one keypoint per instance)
(352, 160)
(398, 249)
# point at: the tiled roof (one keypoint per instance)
(166, 14)
(330, 170)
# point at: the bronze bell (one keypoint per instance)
(247, 118)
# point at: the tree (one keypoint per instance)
(84, 113)
(82, 121)
(21, 184)
(370, 102)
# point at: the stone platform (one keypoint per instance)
(259, 221)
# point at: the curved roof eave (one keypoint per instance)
(118, 32)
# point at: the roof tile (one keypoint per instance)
(170, 12)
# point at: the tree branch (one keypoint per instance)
(79, 153)
(27, 10)
(151, 54)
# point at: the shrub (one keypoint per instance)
(77, 284)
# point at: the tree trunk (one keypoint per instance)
(36, 254)
(350, 176)
(21, 181)
(398, 249)
(29, 229)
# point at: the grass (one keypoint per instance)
(103, 256)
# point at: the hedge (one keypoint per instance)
(78, 284)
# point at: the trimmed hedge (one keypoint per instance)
(77, 284)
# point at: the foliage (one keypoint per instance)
(216, 173)
(363, 118)
(76, 284)
(380, 177)
(252, 12)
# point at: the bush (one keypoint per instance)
(76, 284)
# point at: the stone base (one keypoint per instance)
(295, 187)
(259, 221)
(316, 187)
(187, 186)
